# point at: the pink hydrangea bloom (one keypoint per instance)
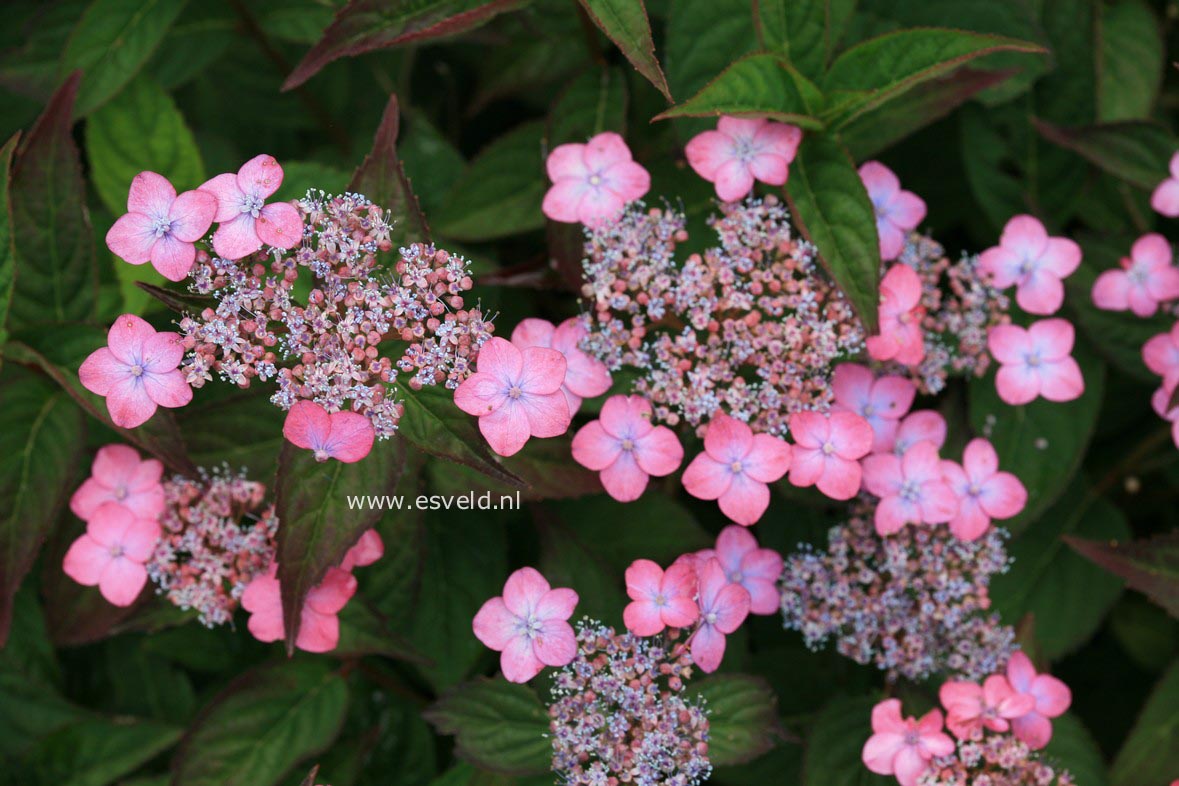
(319, 625)
(136, 371)
(742, 150)
(882, 402)
(366, 551)
(594, 181)
(1032, 261)
(112, 552)
(911, 488)
(625, 448)
(970, 707)
(1036, 362)
(735, 467)
(900, 336)
(983, 491)
(516, 394)
(160, 226)
(1161, 355)
(723, 607)
(659, 598)
(1146, 279)
(118, 475)
(897, 212)
(827, 451)
(585, 376)
(924, 425)
(528, 625)
(1052, 698)
(344, 436)
(755, 569)
(903, 746)
(1160, 402)
(1165, 199)
(245, 220)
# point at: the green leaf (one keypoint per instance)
(742, 717)
(890, 65)
(1149, 754)
(1137, 152)
(241, 428)
(497, 725)
(364, 632)
(1043, 442)
(592, 103)
(7, 252)
(1073, 747)
(1131, 62)
(29, 711)
(40, 431)
(391, 583)
(97, 751)
(569, 559)
(835, 742)
(500, 193)
(762, 85)
(1149, 565)
(703, 38)
(140, 129)
(625, 23)
(298, 177)
(832, 208)
(1067, 595)
(544, 466)
(313, 500)
(805, 31)
(55, 272)
(112, 42)
(256, 730)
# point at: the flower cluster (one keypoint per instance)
(619, 715)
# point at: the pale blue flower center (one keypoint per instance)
(252, 204)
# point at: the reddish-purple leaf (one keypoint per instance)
(625, 23)
(1149, 565)
(1137, 151)
(381, 178)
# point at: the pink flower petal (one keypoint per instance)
(599, 206)
(659, 452)
(1008, 343)
(368, 549)
(101, 371)
(129, 404)
(627, 179)
(768, 459)
(279, 225)
(150, 194)
(562, 202)
(351, 437)
(543, 371)
(518, 660)
(523, 591)
(122, 581)
(880, 751)
(908, 766)
(555, 645)
(707, 152)
(1165, 198)
(161, 353)
(495, 625)
(140, 539)
(745, 500)
(728, 439)
(605, 150)
(229, 197)
(237, 237)
(1003, 496)
(507, 429)
(1062, 380)
(533, 332)
(770, 168)
(840, 479)
(127, 336)
(1017, 385)
(1034, 729)
(1061, 258)
(132, 237)
(86, 560)
(480, 394)
(169, 389)
(567, 162)
(733, 180)
(501, 360)
(707, 478)
(1040, 293)
(307, 425)
(318, 632)
(547, 415)
(708, 648)
(260, 176)
(1111, 290)
(1053, 697)
(593, 448)
(623, 479)
(192, 214)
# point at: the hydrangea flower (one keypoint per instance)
(881, 401)
(625, 448)
(924, 425)
(1161, 355)
(735, 467)
(112, 552)
(827, 451)
(971, 707)
(367, 550)
(344, 436)
(1160, 402)
(742, 150)
(1146, 279)
(244, 219)
(516, 394)
(1165, 198)
(898, 212)
(528, 626)
(585, 376)
(755, 569)
(1032, 261)
(1036, 362)
(161, 227)
(911, 488)
(900, 337)
(659, 598)
(594, 181)
(136, 371)
(118, 475)
(903, 746)
(319, 623)
(723, 607)
(983, 491)
(1051, 699)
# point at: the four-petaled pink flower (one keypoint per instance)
(585, 376)
(528, 626)
(755, 569)
(741, 150)
(971, 707)
(901, 312)
(136, 371)
(1052, 697)
(344, 436)
(112, 552)
(659, 598)
(924, 425)
(735, 467)
(118, 475)
(882, 402)
(625, 448)
(594, 181)
(723, 607)
(161, 227)
(1165, 199)
(1161, 355)
(903, 746)
(245, 220)
(516, 394)
(983, 491)
(1145, 279)
(319, 625)
(897, 212)
(1034, 262)
(827, 451)
(1036, 362)
(911, 488)
(365, 551)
